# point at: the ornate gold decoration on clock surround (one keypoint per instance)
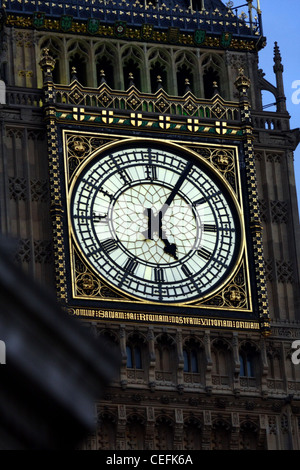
(221, 158)
(86, 285)
(59, 113)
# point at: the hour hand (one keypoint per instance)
(155, 225)
(170, 248)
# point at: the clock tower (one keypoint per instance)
(146, 183)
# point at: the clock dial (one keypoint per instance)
(155, 223)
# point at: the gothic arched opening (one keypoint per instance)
(158, 77)
(184, 79)
(135, 433)
(159, 64)
(105, 69)
(248, 436)
(165, 354)
(221, 360)
(164, 433)
(77, 66)
(221, 433)
(249, 364)
(211, 80)
(192, 435)
(106, 432)
(55, 51)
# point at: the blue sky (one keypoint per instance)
(281, 23)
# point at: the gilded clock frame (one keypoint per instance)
(234, 294)
(243, 302)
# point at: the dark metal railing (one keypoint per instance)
(170, 13)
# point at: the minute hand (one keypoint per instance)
(176, 188)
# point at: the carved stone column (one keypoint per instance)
(208, 378)
(123, 370)
(206, 434)
(236, 371)
(150, 428)
(151, 346)
(235, 431)
(178, 430)
(121, 428)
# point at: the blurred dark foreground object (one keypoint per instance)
(55, 369)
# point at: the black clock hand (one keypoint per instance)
(176, 188)
(170, 248)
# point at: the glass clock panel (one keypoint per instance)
(154, 223)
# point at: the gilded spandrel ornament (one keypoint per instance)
(233, 295)
(87, 285)
(79, 147)
(223, 160)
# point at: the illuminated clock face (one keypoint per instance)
(157, 224)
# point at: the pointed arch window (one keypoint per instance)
(55, 50)
(275, 379)
(137, 359)
(249, 365)
(165, 353)
(78, 61)
(105, 69)
(132, 60)
(185, 72)
(213, 75)
(159, 65)
(134, 357)
(248, 360)
(221, 363)
(210, 78)
(190, 357)
(158, 77)
(193, 357)
(78, 64)
(197, 4)
(132, 74)
(185, 80)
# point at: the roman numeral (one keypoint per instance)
(199, 202)
(204, 253)
(81, 218)
(130, 265)
(209, 228)
(109, 245)
(186, 270)
(209, 195)
(98, 217)
(125, 176)
(106, 193)
(159, 274)
(151, 172)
